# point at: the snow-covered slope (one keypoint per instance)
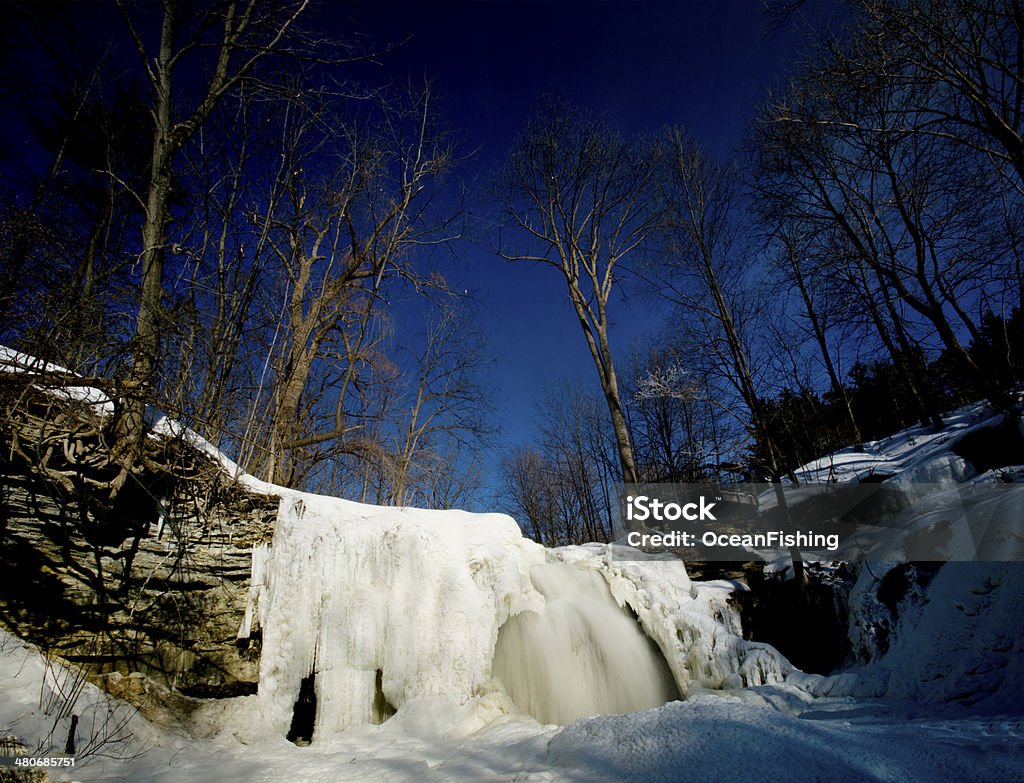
(917, 454)
(12, 361)
(945, 632)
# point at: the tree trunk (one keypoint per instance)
(838, 387)
(130, 422)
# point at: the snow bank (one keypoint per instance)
(946, 634)
(159, 422)
(391, 608)
(728, 739)
(963, 644)
(760, 734)
(39, 695)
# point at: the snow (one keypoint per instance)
(940, 505)
(956, 642)
(158, 421)
(954, 639)
(161, 424)
(16, 362)
(918, 454)
(414, 601)
(38, 696)
(747, 736)
(730, 739)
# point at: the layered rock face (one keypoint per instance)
(174, 615)
(155, 582)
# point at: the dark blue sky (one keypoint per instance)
(643, 64)
(699, 63)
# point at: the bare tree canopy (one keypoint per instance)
(579, 198)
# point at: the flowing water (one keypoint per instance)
(581, 655)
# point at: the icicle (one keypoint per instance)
(387, 605)
(257, 584)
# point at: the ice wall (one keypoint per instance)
(389, 606)
(352, 590)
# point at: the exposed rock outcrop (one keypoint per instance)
(155, 581)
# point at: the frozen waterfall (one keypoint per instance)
(581, 654)
(454, 619)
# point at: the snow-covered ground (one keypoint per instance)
(403, 608)
(769, 733)
(918, 454)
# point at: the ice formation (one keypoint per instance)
(955, 640)
(581, 655)
(258, 580)
(391, 607)
(401, 600)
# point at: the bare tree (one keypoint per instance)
(445, 414)
(707, 279)
(811, 181)
(580, 199)
(529, 494)
(564, 487)
(226, 262)
(453, 480)
(706, 275)
(791, 250)
(967, 52)
(64, 251)
(669, 417)
(914, 219)
(339, 243)
(239, 34)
